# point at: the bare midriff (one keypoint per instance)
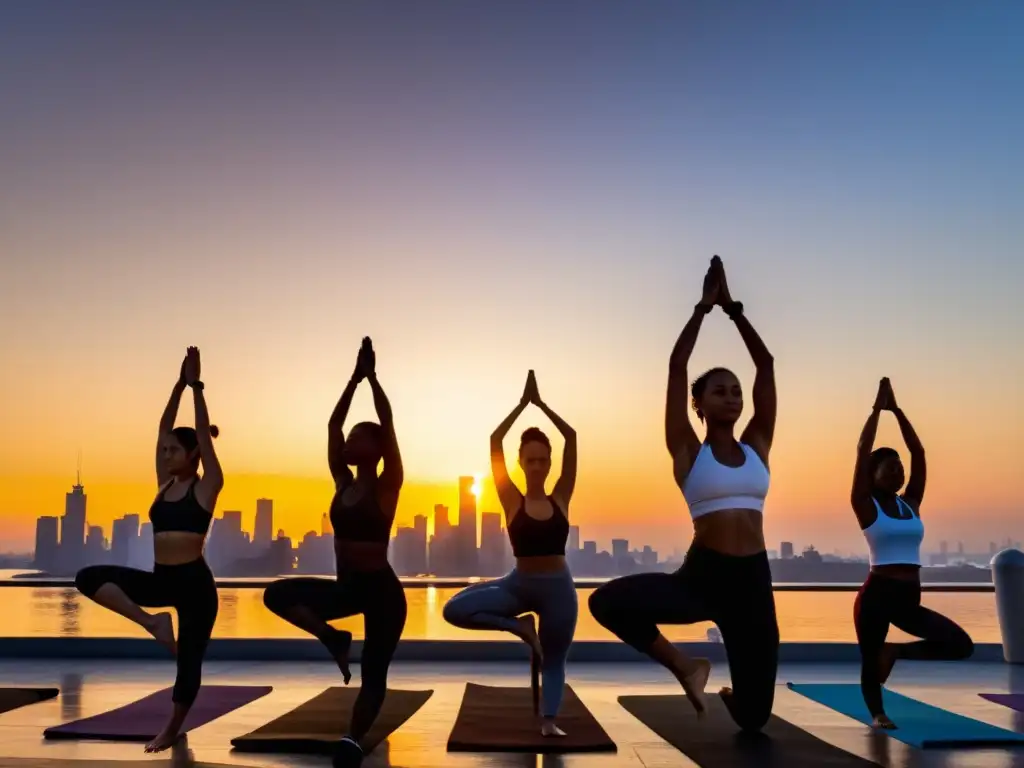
(902, 572)
(541, 564)
(361, 555)
(736, 532)
(177, 547)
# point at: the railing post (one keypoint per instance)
(1008, 577)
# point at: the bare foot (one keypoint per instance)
(528, 634)
(338, 643)
(694, 684)
(166, 738)
(887, 660)
(162, 629)
(883, 721)
(548, 728)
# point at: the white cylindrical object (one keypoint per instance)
(1008, 577)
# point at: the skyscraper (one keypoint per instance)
(263, 530)
(72, 529)
(47, 540)
(466, 541)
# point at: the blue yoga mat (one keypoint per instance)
(917, 724)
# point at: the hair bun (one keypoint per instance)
(214, 431)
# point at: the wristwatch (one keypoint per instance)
(197, 384)
(733, 309)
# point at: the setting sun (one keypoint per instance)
(477, 487)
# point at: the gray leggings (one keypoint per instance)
(496, 604)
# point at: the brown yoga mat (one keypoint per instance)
(715, 740)
(13, 698)
(496, 719)
(316, 726)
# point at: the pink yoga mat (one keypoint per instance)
(142, 720)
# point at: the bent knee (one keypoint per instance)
(964, 646)
(277, 597)
(602, 606)
(89, 580)
(454, 612)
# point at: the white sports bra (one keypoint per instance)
(711, 486)
(892, 541)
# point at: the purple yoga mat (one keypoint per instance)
(1014, 701)
(142, 720)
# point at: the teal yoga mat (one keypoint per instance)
(917, 724)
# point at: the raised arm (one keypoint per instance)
(860, 494)
(212, 481)
(680, 439)
(393, 475)
(167, 420)
(567, 481)
(508, 494)
(760, 432)
(336, 436)
(914, 492)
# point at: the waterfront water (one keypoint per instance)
(803, 616)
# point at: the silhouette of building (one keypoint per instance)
(47, 543)
(263, 529)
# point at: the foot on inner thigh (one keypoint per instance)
(886, 661)
(161, 628)
(527, 632)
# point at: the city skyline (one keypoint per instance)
(488, 189)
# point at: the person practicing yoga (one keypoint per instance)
(362, 513)
(892, 593)
(180, 578)
(540, 582)
(725, 576)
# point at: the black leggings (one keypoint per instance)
(379, 596)
(883, 601)
(188, 588)
(733, 592)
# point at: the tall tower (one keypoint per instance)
(72, 526)
(466, 547)
(263, 531)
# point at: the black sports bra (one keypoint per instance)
(363, 521)
(531, 537)
(185, 514)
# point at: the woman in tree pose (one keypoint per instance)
(538, 527)
(725, 577)
(180, 578)
(892, 525)
(362, 513)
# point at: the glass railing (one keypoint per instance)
(806, 612)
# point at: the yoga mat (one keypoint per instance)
(13, 698)
(917, 724)
(495, 719)
(715, 740)
(317, 725)
(55, 762)
(1014, 701)
(142, 720)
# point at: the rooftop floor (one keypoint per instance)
(92, 687)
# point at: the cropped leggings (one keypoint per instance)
(188, 588)
(733, 592)
(883, 601)
(496, 604)
(379, 596)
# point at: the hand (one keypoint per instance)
(724, 297)
(366, 361)
(884, 400)
(190, 367)
(530, 392)
(712, 286)
(181, 373)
